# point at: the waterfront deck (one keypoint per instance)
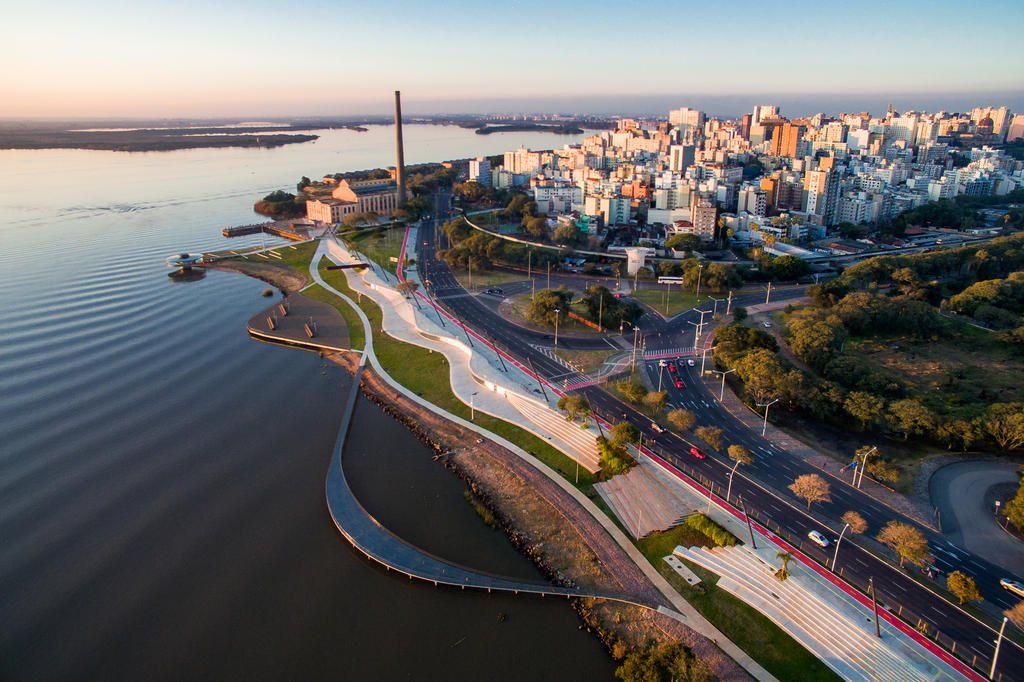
(278, 228)
(291, 320)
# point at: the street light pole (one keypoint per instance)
(836, 555)
(700, 269)
(472, 407)
(721, 393)
(995, 657)
(557, 311)
(728, 491)
(768, 295)
(874, 606)
(766, 406)
(864, 465)
(703, 359)
(728, 306)
(635, 330)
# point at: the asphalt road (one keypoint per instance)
(763, 485)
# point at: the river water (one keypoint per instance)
(162, 511)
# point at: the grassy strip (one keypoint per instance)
(295, 256)
(417, 369)
(380, 246)
(767, 643)
(678, 301)
(488, 278)
(585, 360)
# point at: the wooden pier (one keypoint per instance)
(284, 229)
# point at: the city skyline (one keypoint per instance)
(343, 59)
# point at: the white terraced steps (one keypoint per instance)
(831, 628)
(644, 500)
(577, 442)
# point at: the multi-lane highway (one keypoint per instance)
(763, 485)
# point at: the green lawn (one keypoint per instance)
(678, 301)
(487, 278)
(769, 645)
(295, 256)
(380, 246)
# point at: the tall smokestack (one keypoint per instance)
(400, 165)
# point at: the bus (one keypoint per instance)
(670, 280)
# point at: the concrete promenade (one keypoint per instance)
(404, 320)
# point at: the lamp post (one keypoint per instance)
(700, 268)
(874, 605)
(728, 305)
(721, 393)
(472, 407)
(836, 555)
(557, 311)
(728, 491)
(766, 406)
(635, 331)
(995, 657)
(768, 295)
(863, 466)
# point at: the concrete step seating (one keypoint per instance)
(578, 443)
(844, 640)
(643, 500)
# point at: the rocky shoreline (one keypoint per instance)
(543, 522)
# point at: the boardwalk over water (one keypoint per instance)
(378, 543)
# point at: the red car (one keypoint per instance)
(679, 383)
(697, 453)
(672, 368)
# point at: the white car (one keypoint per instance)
(690, 362)
(818, 539)
(1012, 586)
(766, 323)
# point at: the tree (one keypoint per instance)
(545, 303)
(785, 558)
(1004, 422)
(883, 470)
(739, 313)
(815, 342)
(908, 542)
(857, 523)
(303, 183)
(1014, 509)
(623, 433)
(575, 405)
(910, 416)
(656, 401)
(740, 454)
(631, 391)
(536, 227)
(712, 435)
(864, 407)
(614, 458)
(666, 662)
(682, 420)
(811, 487)
(963, 586)
(1016, 614)
(683, 242)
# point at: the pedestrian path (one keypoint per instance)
(575, 441)
(820, 619)
(645, 500)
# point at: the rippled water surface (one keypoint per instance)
(161, 474)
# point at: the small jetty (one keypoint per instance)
(294, 230)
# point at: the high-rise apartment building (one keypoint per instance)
(821, 192)
(786, 139)
(480, 171)
(681, 157)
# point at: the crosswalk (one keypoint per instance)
(658, 353)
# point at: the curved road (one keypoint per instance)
(959, 491)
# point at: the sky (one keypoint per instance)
(109, 58)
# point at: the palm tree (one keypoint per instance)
(785, 558)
